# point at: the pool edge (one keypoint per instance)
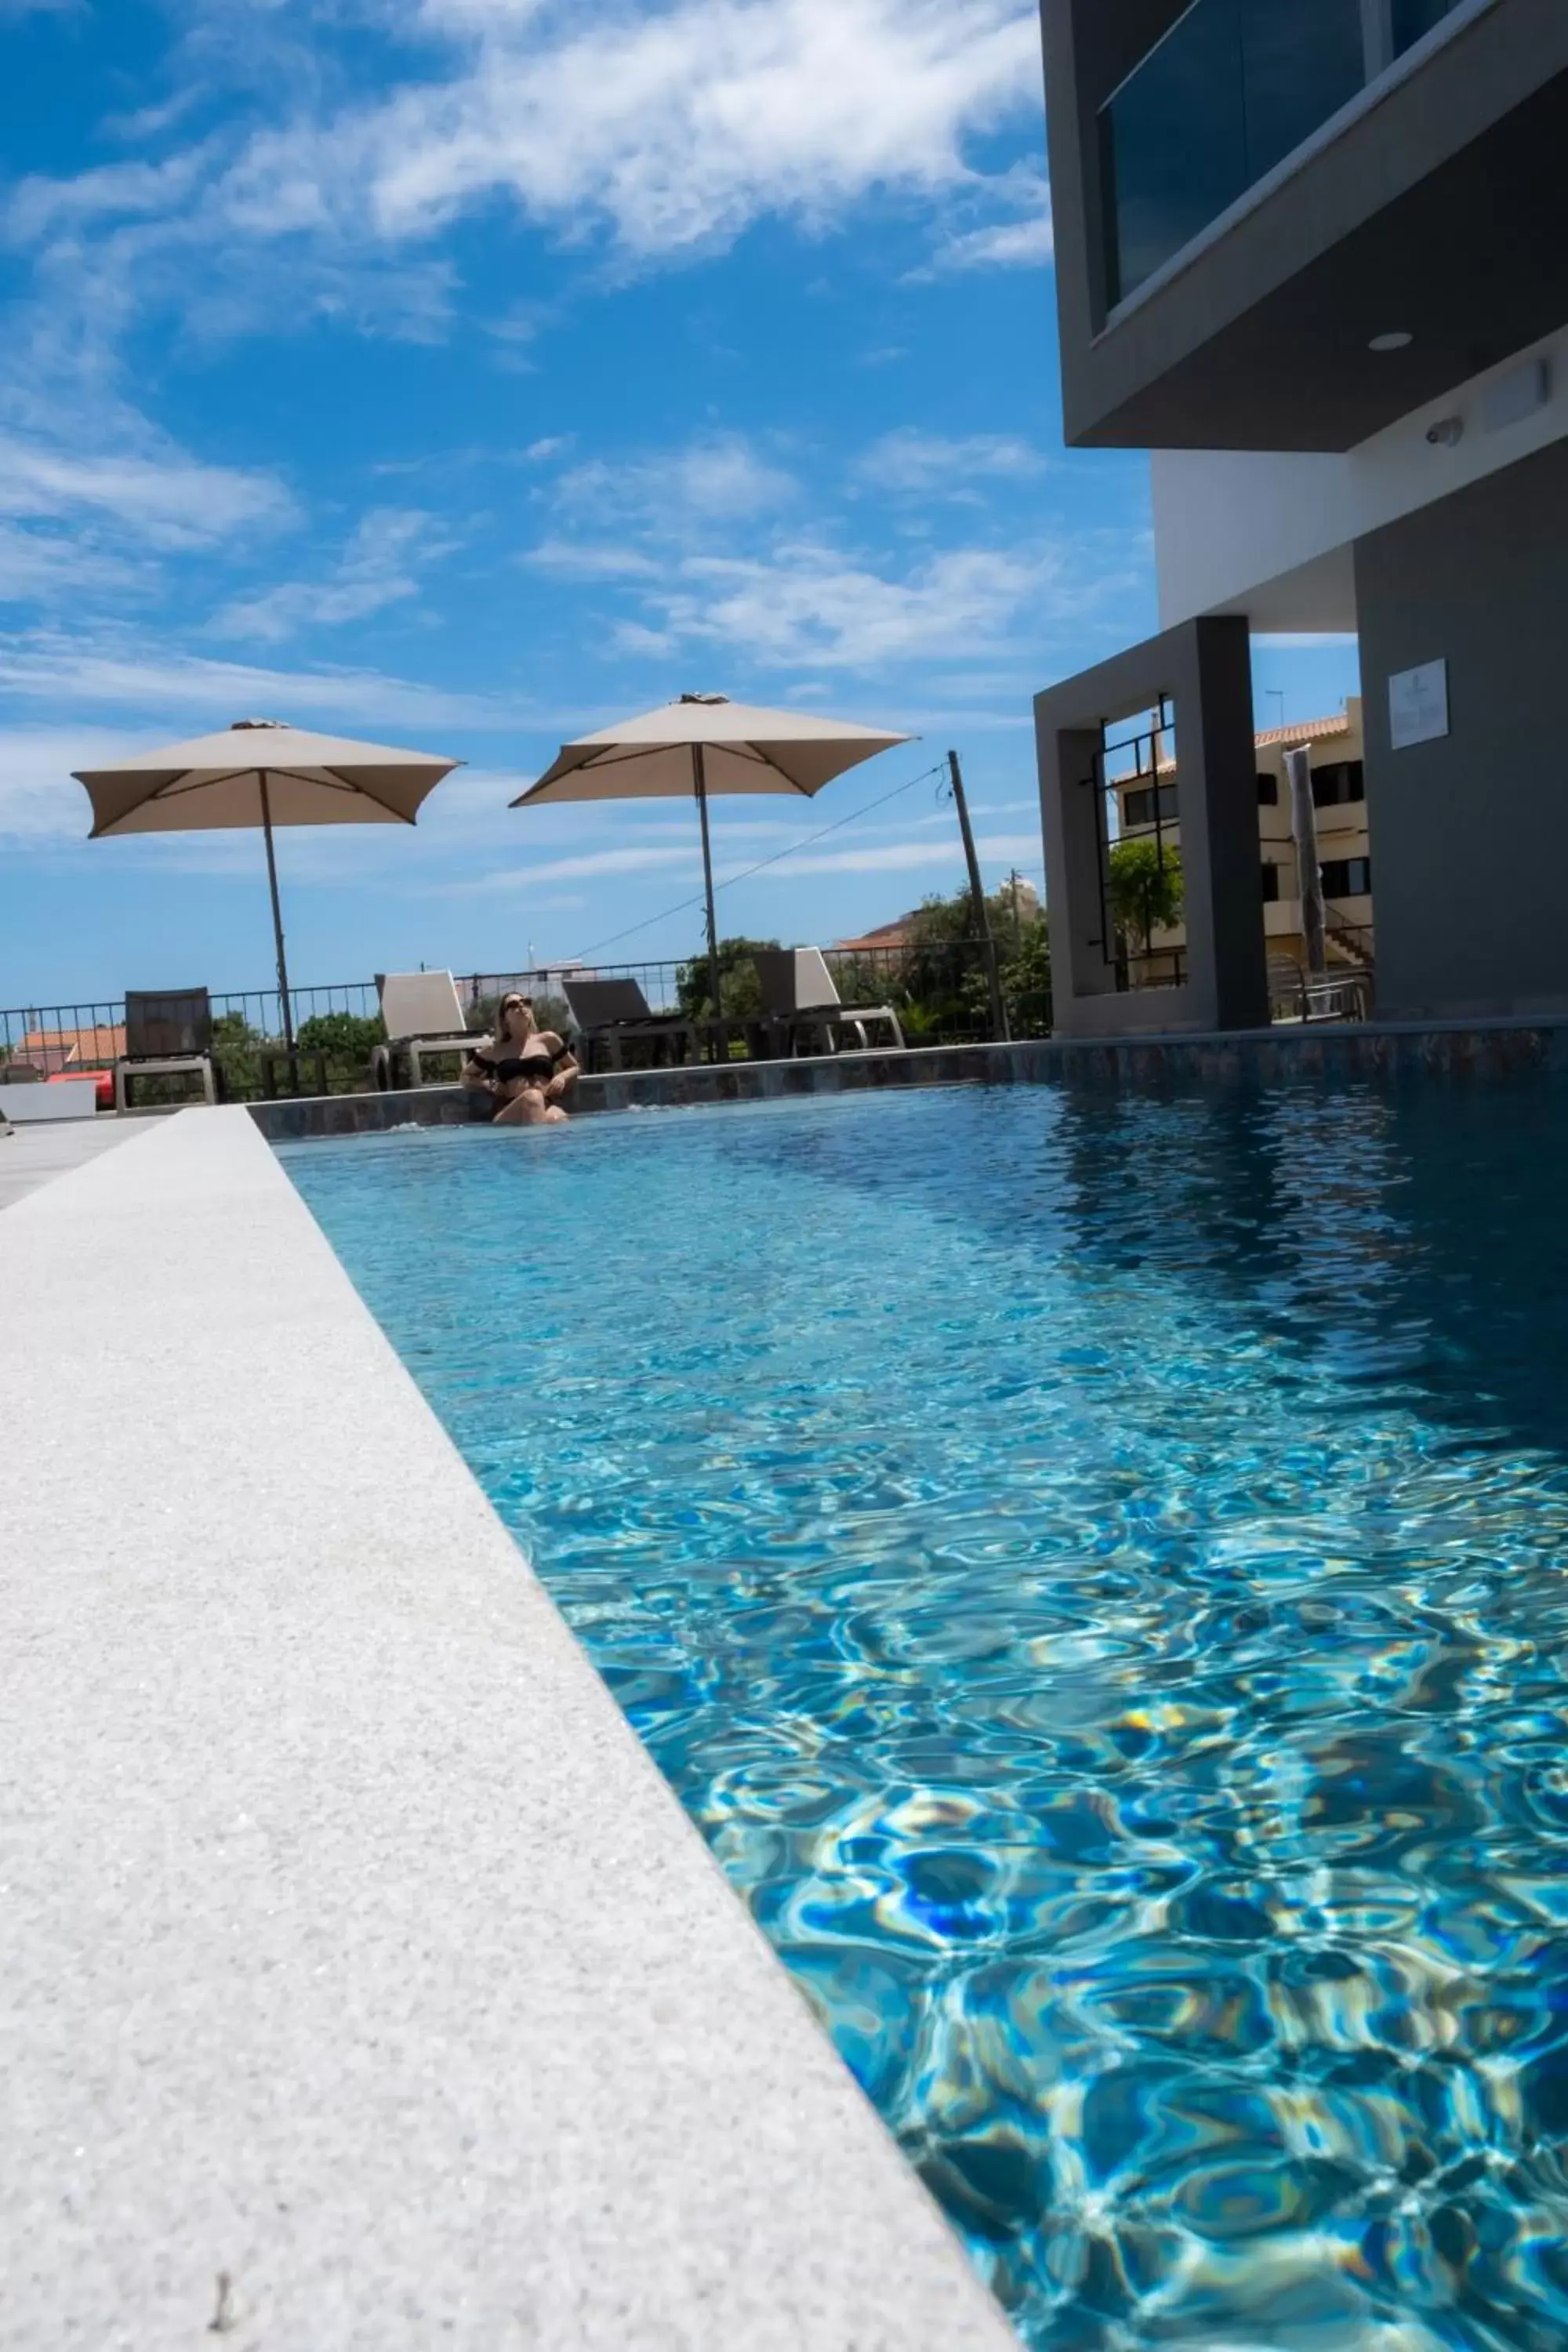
(1483, 1052)
(294, 1810)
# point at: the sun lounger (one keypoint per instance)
(801, 1001)
(168, 1034)
(422, 1013)
(610, 1013)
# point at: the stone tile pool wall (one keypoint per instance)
(1268, 1056)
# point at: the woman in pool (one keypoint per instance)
(527, 1070)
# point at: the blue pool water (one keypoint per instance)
(1093, 1566)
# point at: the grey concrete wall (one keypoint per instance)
(351, 1946)
(1469, 836)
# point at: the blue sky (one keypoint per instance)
(471, 373)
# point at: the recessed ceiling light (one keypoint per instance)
(1398, 341)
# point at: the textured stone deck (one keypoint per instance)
(36, 1154)
(354, 1953)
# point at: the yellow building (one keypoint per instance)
(1338, 801)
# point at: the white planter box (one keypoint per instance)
(72, 1098)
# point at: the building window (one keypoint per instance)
(1335, 787)
(1229, 92)
(1270, 883)
(1347, 877)
(1414, 20)
(1268, 791)
(1138, 808)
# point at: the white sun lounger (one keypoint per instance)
(800, 996)
(422, 1013)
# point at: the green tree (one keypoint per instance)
(234, 1046)
(737, 978)
(943, 981)
(346, 1041)
(1026, 979)
(345, 1036)
(1146, 879)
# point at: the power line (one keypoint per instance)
(778, 856)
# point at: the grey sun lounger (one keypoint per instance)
(611, 1014)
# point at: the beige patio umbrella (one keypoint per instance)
(261, 772)
(705, 744)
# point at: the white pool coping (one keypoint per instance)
(350, 1944)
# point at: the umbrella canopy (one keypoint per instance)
(260, 772)
(704, 744)
(221, 781)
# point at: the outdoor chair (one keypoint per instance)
(801, 1001)
(168, 1034)
(610, 1013)
(423, 1014)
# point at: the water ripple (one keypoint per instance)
(1093, 1568)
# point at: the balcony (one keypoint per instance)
(1234, 88)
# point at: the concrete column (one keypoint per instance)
(1205, 669)
(1081, 963)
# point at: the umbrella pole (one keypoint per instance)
(699, 784)
(277, 920)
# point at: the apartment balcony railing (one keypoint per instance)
(1234, 88)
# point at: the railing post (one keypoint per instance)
(1377, 36)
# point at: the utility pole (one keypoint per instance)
(977, 892)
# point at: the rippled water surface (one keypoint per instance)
(1093, 1566)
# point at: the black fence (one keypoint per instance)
(938, 989)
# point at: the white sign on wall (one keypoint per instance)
(1418, 705)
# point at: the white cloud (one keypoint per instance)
(596, 864)
(380, 566)
(591, 561)
(717, 479)
(1021, 239)
(907, 460)
(1005, 245)
(166, 499)
(669, 127)
(660, 130)
(53, 567)
(913, 857)
(40, 801)
(810, 604)
(125, 673)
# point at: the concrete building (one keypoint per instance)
(1147, 809)
(1314, 254)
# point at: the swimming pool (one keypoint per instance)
(1093, 1566)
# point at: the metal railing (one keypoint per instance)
(937, 986)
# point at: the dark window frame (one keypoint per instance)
(1137, 806)
(1339, 783)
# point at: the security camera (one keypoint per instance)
(1447, 432)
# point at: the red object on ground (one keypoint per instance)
(102, 1079)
